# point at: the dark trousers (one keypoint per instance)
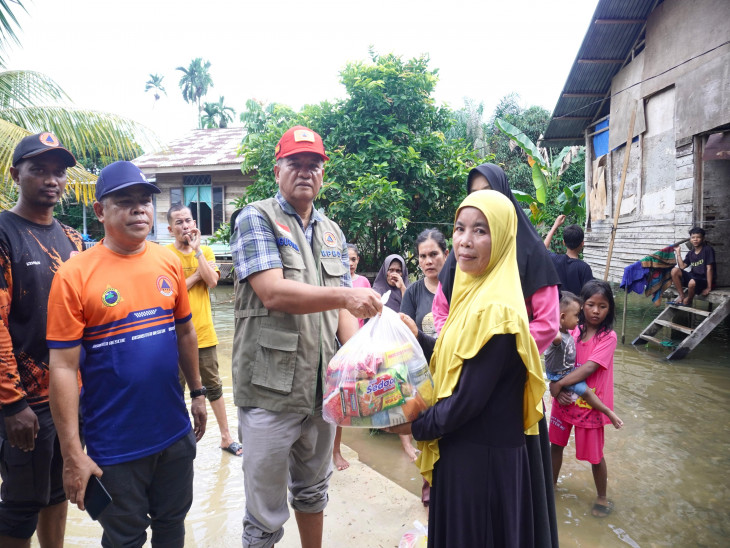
(152, 491)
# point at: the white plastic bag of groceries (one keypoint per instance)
(379, 378)
(416, 537)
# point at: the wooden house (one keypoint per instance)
(201, 170)
(666, 65)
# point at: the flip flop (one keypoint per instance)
(234, 449)
(601, 510)
(676, 303)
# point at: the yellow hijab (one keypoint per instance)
(483, 306)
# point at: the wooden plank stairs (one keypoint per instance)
(718, 309)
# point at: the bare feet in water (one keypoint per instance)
(340, 461)
(411, 451)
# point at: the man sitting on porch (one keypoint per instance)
(701, 259)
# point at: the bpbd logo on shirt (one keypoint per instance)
(164, 286)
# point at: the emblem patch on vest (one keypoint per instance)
(111, 297)
(330, 240)
(164, 286)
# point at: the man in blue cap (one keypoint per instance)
(124, 306)
(32, 246)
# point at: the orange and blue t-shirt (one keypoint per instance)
(122, 310)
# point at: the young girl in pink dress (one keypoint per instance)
(595, 344)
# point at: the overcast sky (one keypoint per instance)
(291, 51)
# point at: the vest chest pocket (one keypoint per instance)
(275, 360)
(332, 271)
(292, 262)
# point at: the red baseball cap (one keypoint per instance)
(299, 139)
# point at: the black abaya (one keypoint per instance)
(481, 494)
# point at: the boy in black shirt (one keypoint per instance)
(702, 274)
(572, 271)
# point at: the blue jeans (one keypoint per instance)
(579, 387)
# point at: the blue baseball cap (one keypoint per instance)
(120, 175)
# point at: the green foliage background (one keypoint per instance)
(398, 162)
(392, 173)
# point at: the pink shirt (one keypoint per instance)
(599, 350)
(439, 309)
(360, 281)
(543, 309)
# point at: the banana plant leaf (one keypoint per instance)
(540, 182)
(522, 140)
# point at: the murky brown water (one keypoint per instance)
(668, 467)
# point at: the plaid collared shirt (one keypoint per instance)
(255, 249)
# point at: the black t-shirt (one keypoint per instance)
(30, 255)
(417, 303)
(699, 262)
(573, 273)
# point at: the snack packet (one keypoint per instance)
(379, 378)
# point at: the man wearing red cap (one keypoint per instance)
(32, 247)
(293, 297)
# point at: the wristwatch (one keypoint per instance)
(199, 392)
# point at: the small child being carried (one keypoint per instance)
(560, 356)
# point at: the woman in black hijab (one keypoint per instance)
(393, 277)
(539, 282)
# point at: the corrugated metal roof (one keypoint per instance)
(201, 147)
(615, 30)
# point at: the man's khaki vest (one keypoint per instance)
(276, 356)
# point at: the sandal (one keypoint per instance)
(601, 510)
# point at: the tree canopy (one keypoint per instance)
(217, 115)
(393, 171)
(195, 82)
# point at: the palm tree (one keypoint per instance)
(31, 102)
(209, 115)
(154, 84)
(194, 82)
(217, 114)
(7, 22)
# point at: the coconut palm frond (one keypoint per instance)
(83, 130)
(80, 181)
(84, 191)
(8, 22)
(24, 88)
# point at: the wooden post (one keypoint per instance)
(620, 192)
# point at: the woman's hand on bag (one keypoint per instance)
(410, 323)
(404, 429)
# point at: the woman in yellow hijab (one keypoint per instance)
(488, 389)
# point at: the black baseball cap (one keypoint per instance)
(120, 175)
(40, 143)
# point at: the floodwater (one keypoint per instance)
(668, 468)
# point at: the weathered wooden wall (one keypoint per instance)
(668, 187)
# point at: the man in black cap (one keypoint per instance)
(124, 306)
(32, 247)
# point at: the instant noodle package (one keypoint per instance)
(379, 378)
